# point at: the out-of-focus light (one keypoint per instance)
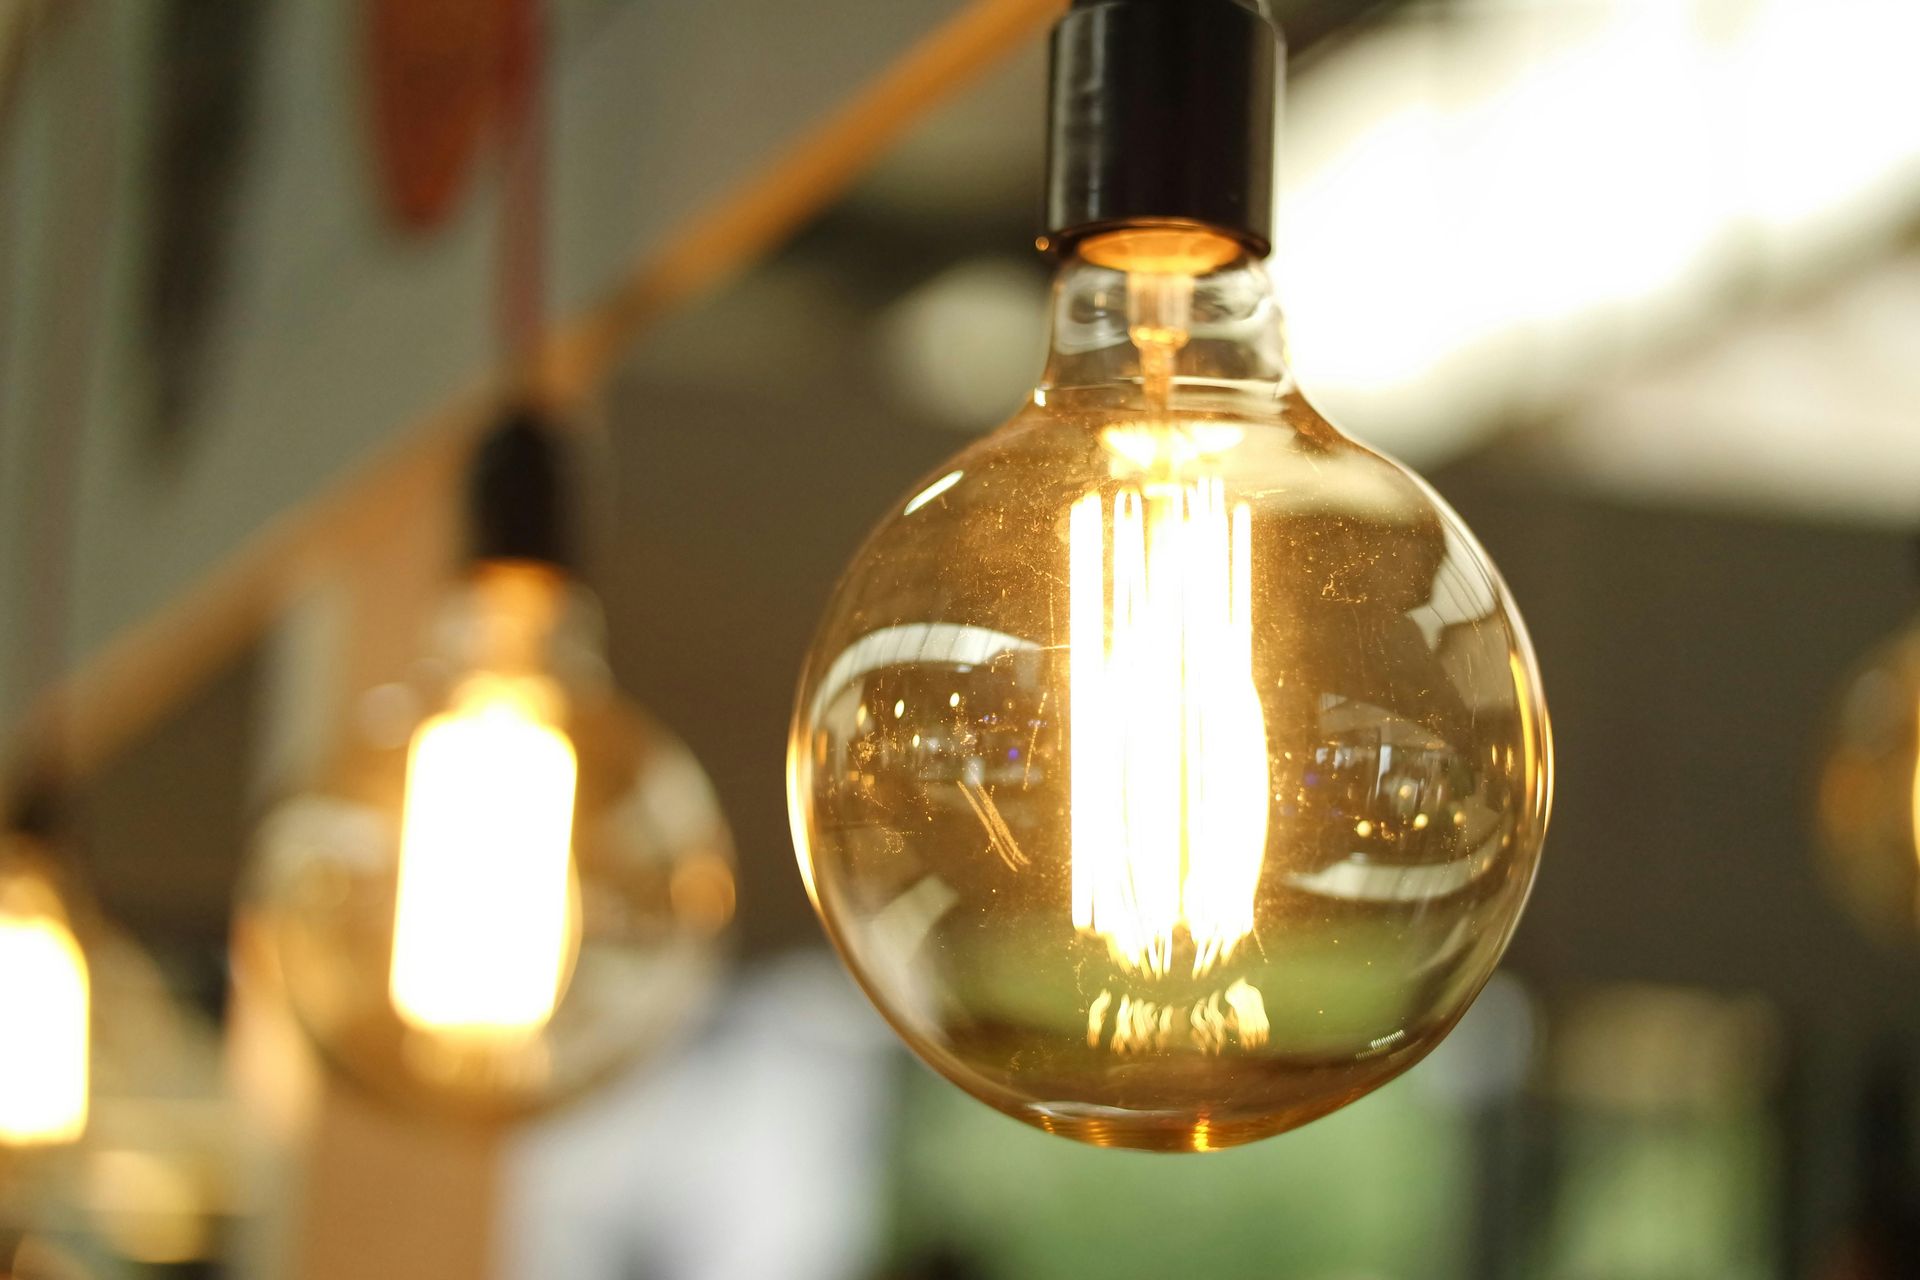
(44, 1015)
(1867, 815)
(1480, 202)
(1806, 410)
(960, 347)
(499, 909)
(149, 1208)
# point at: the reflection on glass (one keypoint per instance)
(1204, 741)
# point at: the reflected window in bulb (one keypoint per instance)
(45, 1011)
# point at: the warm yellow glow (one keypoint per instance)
(483, 935)
(1154, 449)
(44, 998)
(1916, 809)
(151, 1208)
(1162, 250)
(1169, 750)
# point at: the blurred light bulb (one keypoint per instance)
(1169, 768)
(1867, 810)
(45, 1004)
(516, 898)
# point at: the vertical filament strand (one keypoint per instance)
(1168, 754)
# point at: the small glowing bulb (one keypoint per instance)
(513, 900)
(1915, 810)
(44, 1017)
(483, 938)
(1868, 805)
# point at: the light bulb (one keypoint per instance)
(45, 1006)
(1867, 810)
(512, 883)
(1169, 768)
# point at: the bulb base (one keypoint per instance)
(518, 492)
(1162, 112)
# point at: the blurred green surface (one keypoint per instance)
(1382, 1190)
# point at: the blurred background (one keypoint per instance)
(1635, 283)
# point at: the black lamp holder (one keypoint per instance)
(1162, 112)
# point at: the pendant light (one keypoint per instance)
(1169, 768)
(512, 882)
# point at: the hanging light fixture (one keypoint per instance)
(1169, 768)
(512, 882)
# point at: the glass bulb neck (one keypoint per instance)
(29, 881)
(522, 618)
(1162, 313)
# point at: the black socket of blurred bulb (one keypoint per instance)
(36, 804)
(1162, 112)
(519, 494)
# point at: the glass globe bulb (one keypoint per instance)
(511, 884)
(1867, 813)
(1169, 768)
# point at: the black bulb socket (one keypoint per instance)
(519, 494)
(1162, 112)
(37, 805)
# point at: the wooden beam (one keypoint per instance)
(708, 248)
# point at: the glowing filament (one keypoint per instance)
(43, 1031)
(483, 936)
(1168, 764)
